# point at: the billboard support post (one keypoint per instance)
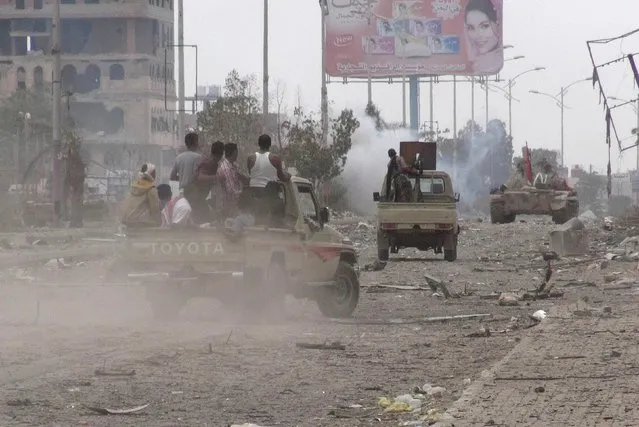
(413, 88)
(432, 107)
(455, 128)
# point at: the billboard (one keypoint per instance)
(394, 38)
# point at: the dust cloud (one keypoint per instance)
(367, 161)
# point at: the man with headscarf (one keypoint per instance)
(141, 208)
(397, 169)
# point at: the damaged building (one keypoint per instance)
(117, 72)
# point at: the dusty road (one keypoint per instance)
(58, 327)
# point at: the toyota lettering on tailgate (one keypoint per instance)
(187, 248)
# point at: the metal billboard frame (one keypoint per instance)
(166, 83)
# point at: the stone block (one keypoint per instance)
(568, 242)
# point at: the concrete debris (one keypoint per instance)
(508, 299)
(588, 216)
(570, 239)
(608, 223)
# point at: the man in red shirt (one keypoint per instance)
(232, 180)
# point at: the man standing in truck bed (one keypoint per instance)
(264, 166)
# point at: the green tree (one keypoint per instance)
(74, 177)
(235, 116)
(306, 153)
(374, 113)
(538, 155)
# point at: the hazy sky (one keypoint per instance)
(548, 33)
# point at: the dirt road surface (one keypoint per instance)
(57, 327)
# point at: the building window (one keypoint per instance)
(69, 75)
(38, 4)
(67, 1)
(91, 1)
(22, 78)
(19, 4)
(38, 77)
(116, 72)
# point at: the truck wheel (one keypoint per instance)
(572, 210)
(560, 217)
(510, 218)
(383, 254)
(450, 255)
(340, 301)
(166, 300)
(497, 215)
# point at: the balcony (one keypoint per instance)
(140, 9)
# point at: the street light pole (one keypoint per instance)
(562, 106)
(559, 99)
(511, 82)
(57, 106)
(324, 7)
(265, 71)
(510, 107)
(181, 90)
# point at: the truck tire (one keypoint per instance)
(510, 218)
(340, 301)
(450, 255)
(497, 215)
(166, 300)
(383, 254)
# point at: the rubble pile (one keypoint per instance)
(630, 218)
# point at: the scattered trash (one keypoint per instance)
(101, 372)
(393, 406)
(108, 411)
(539, 315)
(332, 346)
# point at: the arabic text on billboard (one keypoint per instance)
(394, 38)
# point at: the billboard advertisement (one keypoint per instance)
(394, 38)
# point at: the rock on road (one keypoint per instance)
(58, 327)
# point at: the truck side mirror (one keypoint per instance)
(324, 215)
(376, 197)
(457, 197)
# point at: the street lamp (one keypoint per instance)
(559, 99)
(324, 7)
(514, 58)
(510, 96)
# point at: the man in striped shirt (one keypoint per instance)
(232, 180)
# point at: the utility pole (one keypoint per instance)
(561, 104)
(181, 94)
(472, 105)
(324, 7)
(510, 108)
(368, 56)
(57, 122)
(265, 71)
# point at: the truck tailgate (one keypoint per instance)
(407, 215)
(176, 248)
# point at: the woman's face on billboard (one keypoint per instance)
(482, 32)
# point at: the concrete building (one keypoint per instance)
(117, 75)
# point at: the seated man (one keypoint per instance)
(141, 208)
(165, 194)
(177, 212)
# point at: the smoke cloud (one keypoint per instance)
(367, 162)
